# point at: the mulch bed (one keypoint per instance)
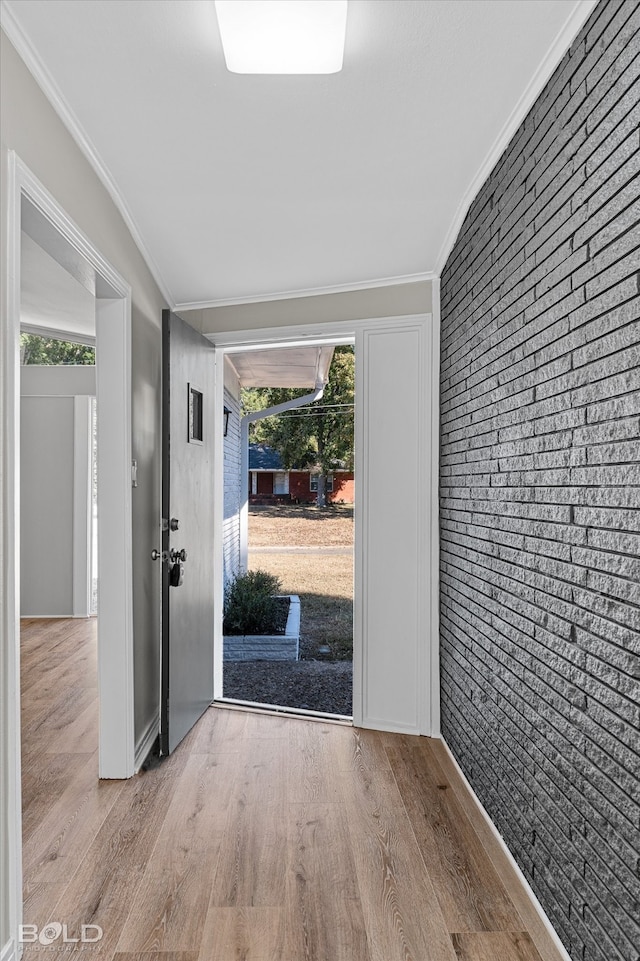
(323, 686)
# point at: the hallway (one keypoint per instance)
(263, 838)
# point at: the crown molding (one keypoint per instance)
(310, 291)
(568, 32)
(52, 92)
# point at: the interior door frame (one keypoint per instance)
(115, 650)
(82, 506)
(331, 333)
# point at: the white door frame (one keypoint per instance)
(331, 333)
(115, 649)
(82, 505)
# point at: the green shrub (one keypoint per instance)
(250, 606)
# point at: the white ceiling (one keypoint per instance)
(245, 187)
(51, 300)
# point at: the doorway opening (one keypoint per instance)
(57, 265)
(58, 552)
(395, 630)
(33, 215)
(289, 520)
(58, 569)
(58, 419)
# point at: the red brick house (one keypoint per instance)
(270, 483)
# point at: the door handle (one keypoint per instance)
(175, 556)
(158, 555)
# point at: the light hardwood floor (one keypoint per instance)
(263, 838)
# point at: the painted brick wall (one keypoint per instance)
(540, 492)
(231, 531)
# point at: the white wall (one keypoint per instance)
(53, 492)
(393, 301)
(46, 506)
(30, 127)
(58, 381)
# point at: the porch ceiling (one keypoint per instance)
(283, 366)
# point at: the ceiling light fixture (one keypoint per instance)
(282, 36)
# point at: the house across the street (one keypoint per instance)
(270, 483)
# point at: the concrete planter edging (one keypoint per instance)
(267, 647)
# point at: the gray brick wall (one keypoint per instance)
(540, 492)
(231, 530)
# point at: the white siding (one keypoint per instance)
(231, 532)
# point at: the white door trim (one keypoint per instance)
(115, 673)
(229, 342)
(392, 645)
(433, 452)
(82, 507)
(10, 562)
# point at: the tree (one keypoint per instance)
(318, 436)
(48, 351)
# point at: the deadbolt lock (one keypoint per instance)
(170, 525)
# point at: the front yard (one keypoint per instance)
(300, 526)
(311, 551)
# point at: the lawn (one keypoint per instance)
(301, 526)
(323, 580)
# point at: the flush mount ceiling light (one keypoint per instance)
(282, 36)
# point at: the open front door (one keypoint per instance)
(187, 538)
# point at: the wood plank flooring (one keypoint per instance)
(263, 838)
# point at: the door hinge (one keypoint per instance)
(134, 473)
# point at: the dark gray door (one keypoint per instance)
(187, 539)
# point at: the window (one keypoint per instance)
(313, 483)
(195, 435)
(41, 350)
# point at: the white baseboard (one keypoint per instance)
(53, 617)
(8, 952)
(514, 864)
(380, 724)
(145, 745)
